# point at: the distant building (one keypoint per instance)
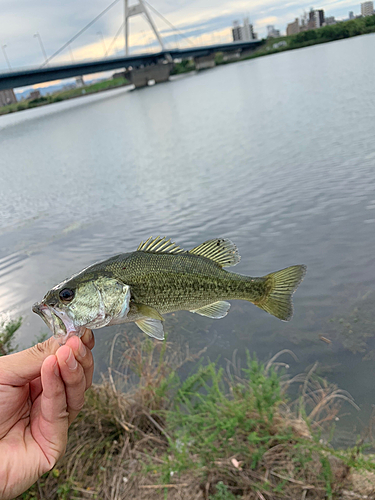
(316, 19)
(367, 9)
(243, 33)
(80, 81)
(292, 28)
(231, 56)
(35, 94)
(303, 26)
(237, 31)
(248, 31)
(351, 15)
(329, 21)
(7, 97)
(272, 32)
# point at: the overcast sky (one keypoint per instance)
(203, 21)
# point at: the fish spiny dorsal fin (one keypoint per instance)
(159, 245)
(221, 250)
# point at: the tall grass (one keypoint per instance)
(7, 334)
(225, 432)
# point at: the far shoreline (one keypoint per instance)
(326, 34)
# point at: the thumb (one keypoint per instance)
(20, 368)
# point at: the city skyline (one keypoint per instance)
(204, 21)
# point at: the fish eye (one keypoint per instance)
(66, 295)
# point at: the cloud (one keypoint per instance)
(201, 20)
(265, 21)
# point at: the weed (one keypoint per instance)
(223, 433)
(7, 331)
(222, 492)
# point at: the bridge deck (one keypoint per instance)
(24, 77)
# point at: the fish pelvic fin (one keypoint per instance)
(281, 285)
(221, 250)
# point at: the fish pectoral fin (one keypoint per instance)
(151, 327)
(148, 311)
(220, 250)
(216, 310)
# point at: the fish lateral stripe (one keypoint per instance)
(221, 250)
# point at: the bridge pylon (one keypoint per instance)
(134, 10)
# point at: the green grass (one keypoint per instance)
(234, 433)
(7, 334)
(231, 430)
(185, 66)
(228, 431)
(339, 31)
(89, 89)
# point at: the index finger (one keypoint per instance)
(22, 367)
(86, 362)
(88, 339)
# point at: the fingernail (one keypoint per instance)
(82, 349)
(71, 362)
(56, 369)
(89, 335)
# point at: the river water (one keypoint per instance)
(275, 153)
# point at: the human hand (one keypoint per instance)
(41, 392)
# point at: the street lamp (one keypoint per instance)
(104, 47)
(36, 35)
(3, 47)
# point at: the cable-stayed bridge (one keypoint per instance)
(140, 68)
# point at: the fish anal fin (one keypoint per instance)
(159, 245)
(221, 250)
(216, 310)
(151, 327)
(148, 311)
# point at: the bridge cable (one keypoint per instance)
(122, 26)
(114, 38)
(79, 33)
(169, 23)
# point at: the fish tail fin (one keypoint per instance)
(280, 287)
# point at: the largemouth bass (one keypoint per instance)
(159, 278)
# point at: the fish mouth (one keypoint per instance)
(58, 322)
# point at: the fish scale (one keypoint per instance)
(173, 282)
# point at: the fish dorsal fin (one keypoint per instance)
(159, 245)
(221, 250)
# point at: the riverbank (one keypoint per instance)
(339, 31)
(220, 434)
(64, 95)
